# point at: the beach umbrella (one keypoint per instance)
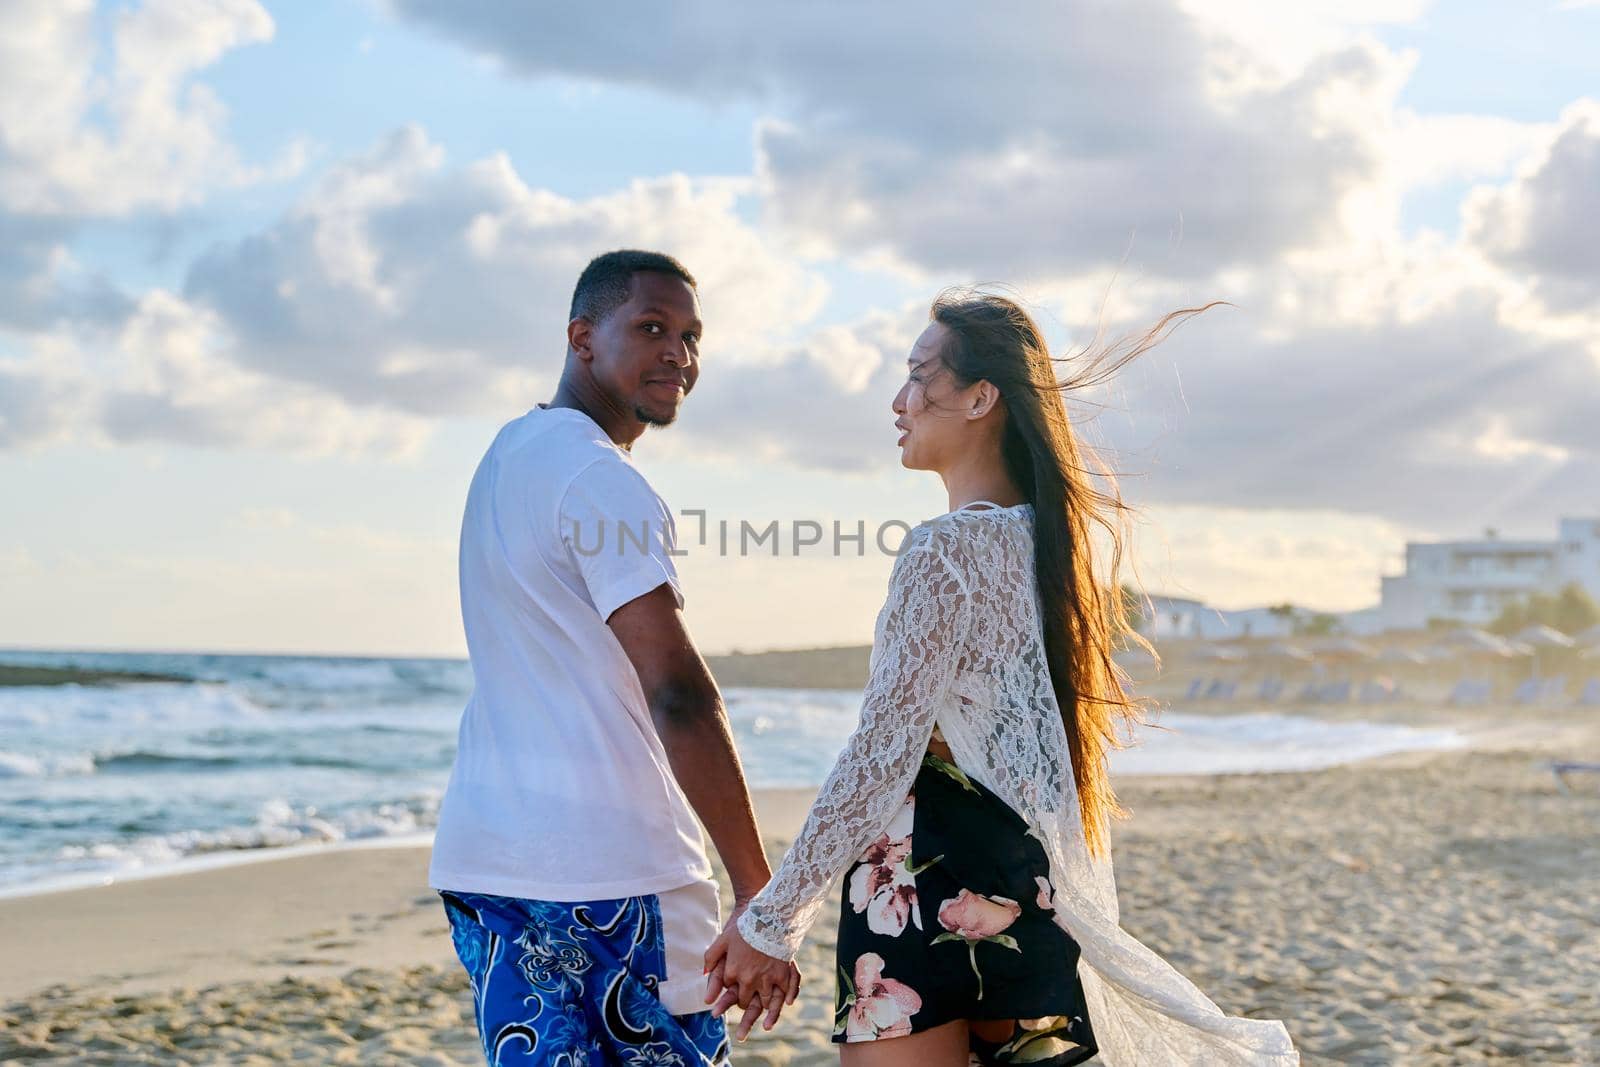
(1540, 636)
(1217, 654)
(1344, 648)
(1486, 647)
(1481, 643)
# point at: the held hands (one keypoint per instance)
(737, 974)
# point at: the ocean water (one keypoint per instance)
(263, 752)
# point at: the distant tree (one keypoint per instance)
(1285, 610)
(1571, 611)
(1574, 610)
(1538, 609)
(1318, 625)
(1512, 617)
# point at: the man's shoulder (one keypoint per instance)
(559, 458)
(559, 442)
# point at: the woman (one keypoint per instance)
(969, 810)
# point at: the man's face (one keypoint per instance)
(646, 353)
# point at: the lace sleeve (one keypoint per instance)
(921, 631)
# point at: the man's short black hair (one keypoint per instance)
(605, 283)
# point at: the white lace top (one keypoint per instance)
(958, 646)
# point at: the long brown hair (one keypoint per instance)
(1086, 617)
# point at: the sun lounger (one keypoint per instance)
(1331, 693)
(1563, 768)
(1374, 691)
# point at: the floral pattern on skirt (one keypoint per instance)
(947, 916)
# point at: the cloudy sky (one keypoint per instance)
(272, 274)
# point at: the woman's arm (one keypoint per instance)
(924, 627)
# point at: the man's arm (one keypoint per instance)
(693, 726)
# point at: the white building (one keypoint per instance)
(1366, 622)
(1471, 582)
(1219, 625)
(1171, 617)
(1181, 617)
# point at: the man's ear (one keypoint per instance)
(579, 332)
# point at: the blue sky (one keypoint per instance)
(1384, 198)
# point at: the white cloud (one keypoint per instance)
(1498, 442)
(1370, 386)
(101, 117)
(41, 283)
(92, 131)
(1429, 150)
(1288, 41)
(161, 134)
(399, 281)
(16, 561)
(372, 544)
(1546, 222)
(996, 145)
(1361, 368)
(252, 591)
(397, 291)
(1244, 557)
(163, 378)
(39, 405)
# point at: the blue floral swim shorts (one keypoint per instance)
(583, 984)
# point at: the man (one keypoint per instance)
(574, 876)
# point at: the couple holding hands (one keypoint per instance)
(967, 814)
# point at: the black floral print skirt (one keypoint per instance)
(948, 916)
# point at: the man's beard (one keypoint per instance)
(653, 420)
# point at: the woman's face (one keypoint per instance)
(929, 408)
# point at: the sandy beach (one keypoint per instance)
(1428, 908)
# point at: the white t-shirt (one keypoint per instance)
(561, 789)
